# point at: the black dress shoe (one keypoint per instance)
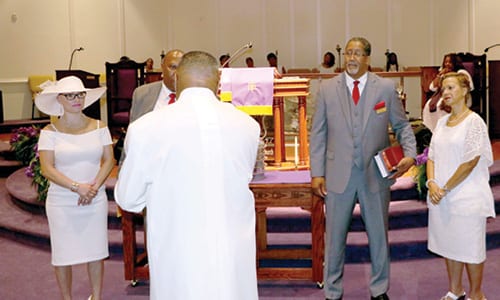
(381, 297)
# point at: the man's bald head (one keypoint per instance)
(169, 66)
(198, 69)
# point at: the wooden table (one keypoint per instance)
(135, 262)
(277, 189)
(289, 189)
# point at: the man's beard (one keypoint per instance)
(352, 69)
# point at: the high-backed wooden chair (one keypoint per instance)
(153, 76)
(122, 78)
(428, 74)
(476, 66)
(1, 107)
(34, 82)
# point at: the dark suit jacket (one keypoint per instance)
(332, 144)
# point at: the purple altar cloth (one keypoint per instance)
(284, 177)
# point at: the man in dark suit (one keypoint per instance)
(350, 126)
(153, 95)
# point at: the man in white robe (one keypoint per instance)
(191, 163)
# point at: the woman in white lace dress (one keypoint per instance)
(76, 156)
(460, 199)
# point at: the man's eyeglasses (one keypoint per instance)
(72, 96)
(355, 53)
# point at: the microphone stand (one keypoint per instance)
(237, 54)
(72, 54)
(492, 46)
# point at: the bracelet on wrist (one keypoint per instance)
(74, 186)
(429, 181)
(446, 189)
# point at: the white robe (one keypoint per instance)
(190, 163)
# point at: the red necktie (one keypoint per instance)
(355, 92)
(171, 98)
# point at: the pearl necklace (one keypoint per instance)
(459, 118)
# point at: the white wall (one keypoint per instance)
(38, 36)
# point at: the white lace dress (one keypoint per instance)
(78, 234)
(457, 225)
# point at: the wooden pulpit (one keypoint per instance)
(290, 87)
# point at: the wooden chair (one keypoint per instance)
(476, 66)
(1, 107)
(122, 78)
(153, 76)
(34, 82)
(428, 74)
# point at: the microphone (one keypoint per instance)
(492, 46)
(237, 53)
(72, 54)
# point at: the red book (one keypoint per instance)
(387, 159)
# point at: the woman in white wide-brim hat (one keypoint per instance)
(76, 156)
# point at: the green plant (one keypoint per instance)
(421, 176)
(24, 143)
(423, 137)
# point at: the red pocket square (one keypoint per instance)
(379, 105)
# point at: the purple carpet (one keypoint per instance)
(415, 273)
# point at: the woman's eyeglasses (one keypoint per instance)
(72, 96)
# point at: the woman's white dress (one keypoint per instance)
(78, 234)
(457, 225)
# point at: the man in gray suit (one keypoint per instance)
(151, 96)
(154, 95)
(349, 127)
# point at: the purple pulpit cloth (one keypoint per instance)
(274, 177)
(248, 87)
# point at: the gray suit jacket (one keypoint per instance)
(332, 144)
(144, 99)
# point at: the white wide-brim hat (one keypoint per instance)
(47, 102)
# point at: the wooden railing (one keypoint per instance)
(401, 75)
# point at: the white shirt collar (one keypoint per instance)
(362, 82)
(163, 97)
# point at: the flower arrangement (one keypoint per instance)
(421, 177)
(423, 136)
(24, 143)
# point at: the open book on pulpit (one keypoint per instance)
(249, 89)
